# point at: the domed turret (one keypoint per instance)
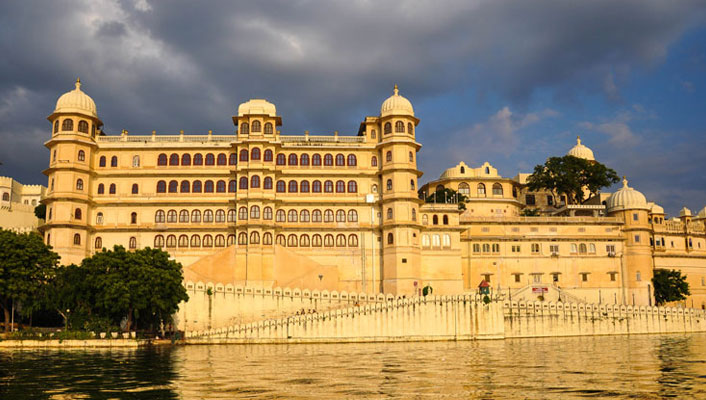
(396, 105)
(581, 151)
(626, 198)
(257, 106)
(76, 101)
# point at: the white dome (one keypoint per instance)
(396, 105)
(76, 101)
(257, 106)
(685, 212)
(701, 214)
(655, 208)
(581, 151)
(626, 198)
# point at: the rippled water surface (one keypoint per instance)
(638, 367)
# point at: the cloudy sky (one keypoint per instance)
(509, 82)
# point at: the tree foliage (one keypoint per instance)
(446, 196)
(41, 211)
(26, 267)
(669, 286)
(569, 176)
(529, 212)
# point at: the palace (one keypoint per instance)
(258, 208)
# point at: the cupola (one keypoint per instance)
(396, 105)
(257, 107)
(76, 101)
(626, 198)
(581, 151)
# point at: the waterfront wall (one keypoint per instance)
(463, 317)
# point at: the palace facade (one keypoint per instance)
(343, 213)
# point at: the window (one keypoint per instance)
(304, 241)
(435, 220)
(159, 241)
(221, 186)
(529, 200)
(196, 216)
(231, 240)
(280, 240)
(135, 188)
(196, 187)
(390, 238)
(352, 160)
(388, 156)
(81, 155)
(292, 216)
(268, 155)
(414, 214)
(591, 248)
(535, 248)
(304, 187)
(173, 185)
(497, 189)
(446, 219)
(389, 185)
(292, 241)
(210, 159)
(208, 216)
(280, 216)
(340, 160)
(101, 162)
(231, 186)
(267, 238)
(316, 160)
(389, 213)
(536, 278)
(637, 238)
(328, 241)
(304, 216)
(411, 157)
(207, 241)
(399, 127)
(304, 159)
(77, 213)
(254, 238)
(111, 189)
(495, 248)
(374, 162)
(220, 216)
(198, 159)
(255, 153)
(328, 187)
(195, 241)
(340, 216)
(328, 216)
(221, 159)
(132, 243)
(268, 128)
(481, 190)
(316, 216)
(328, 160)
(231, 215)
(340, 187)
(634, 217)
(352, 187)
(582, 248)
(99, 218)
(515, 248)
(174, 159)
(185, 159)
(426, 242)
(133, 218)
(184, 187)
(79, 184)
(221, 240)
(373, 134)
(281, 159)
(171, 216)
(232, 159)
(387, 128)
(554, 249)
(208, 187)
(464, 189)
(316, 187)
(410, 128)
(267, 183)
(353, 216)
(67, 125)
(114, 161)
(447, 242)
(584, 276)
(281, 187)
(158, 216)
(243, 213)
(612, 276)
(292, 187)
(77, 239)
(256, 126)
(56, 129)
(292, 160)
(244, 128)
(316, 241)
(83, 126)
(574, 248)
(340, 241)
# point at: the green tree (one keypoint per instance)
(27, 265)
(569, 176)
(446, 196)
(530, 212)
(70, 294)
(41, 211)
(669, 286)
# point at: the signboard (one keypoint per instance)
(540, 290)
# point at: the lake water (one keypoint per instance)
(636, 367)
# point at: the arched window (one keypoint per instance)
(83, 126)
(582, 248)
(268, 128)
(132, 243)
(254, 238)
(487, 170)
(255, 212)
(389, 184)
(481, 190)
(446, 219)
(280, 240)
(267, 238)
(244, 155)
(208, 216)
(591, 248)
(316, 216)
(174, 159)
(254, 181)
(81, 155)
(410, 128)
(231, 215)
(198, 159)
(292, 241)
(111, 189)
(304, 159)
(244, 128)
(207, 241)
(464, 189)
(173, 185)
(79, 184)
(389, 213)
(316, 187)
(114, 161)
(411, 157)
(184, 187)
(390, 238)
(220, 241)
(208, 187)
(232, 159)
(267, 184)
(435, 220)
(425, 241)
(328, 216)
(196, 187)
(411, 184)
(304, 216)
(186, 159)
(414, 214)
(133, 218)
(497, 189)
(77, 213)
(56, 128)
(374, 162)
(388, 156)
(340, 240)
(183, 216)
(292, 216)
(159, 216)
(77, 239)
(255, 153)
(352, 240)
(231, 186)
(221, 186)
(221, 159)
(388, 128)
(195, 216)
(292, 186)
(231, 240)
(304, 187)
(292, 159)
(373, 134)
(195, 241)
(340, 216)
(256, 126)
(280, 216)
(281, 159)
(268, 155)
(304, 241)
(243, 213)
(328, 160)
(352, 216)
(267, 213)
(328, 240)
(399, 127)
(67, 125)
(101, 161)
(328, 186)
(159, 241)
(352, 160)
(340, 160)
(281, 187)
(171, 216)
(316, 160)
(316, 240)
(183, 241)
(436, 242)
(425, 219)
(340, 187)
(210, 159)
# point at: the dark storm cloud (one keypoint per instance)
(186, 65)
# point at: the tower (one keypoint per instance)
(74, 125)
(399, 201)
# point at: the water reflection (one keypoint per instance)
(599, 367)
